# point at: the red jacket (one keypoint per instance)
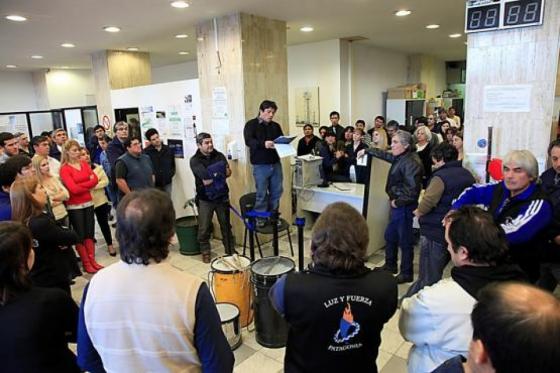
(78, 182)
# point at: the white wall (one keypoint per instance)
(374, 70)
(172, 73)
(166, 97)
(69, 88)
(17, 92)
(315, 65)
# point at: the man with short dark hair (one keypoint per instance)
(336, 127)
(59, 137)
(447, 183)
(22, 165)
(436, 319)
(94, 148)
(335, 164)
(142, 314)
(133, 170)
(307, 144)
(7, 177)
(210, 169)
(9, 146)
(115, 149)
(259, 134)
(516, 329)
(41, 147)
(163, 160)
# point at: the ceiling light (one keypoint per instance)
(432, 27)
(306, 29)
(11, 66)
(64, 67)
(402, 13)
(67, 45)
(181, 36)
(111, 29)
(454, 36)
(180, 4)
(16, 18)
(183, 53)
(132, 49)
(200, 38)
(37, 57)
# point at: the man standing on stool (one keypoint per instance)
(259, 134)
(210, 169)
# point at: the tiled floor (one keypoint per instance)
(250, 356)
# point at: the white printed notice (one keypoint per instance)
(507, 98)
(220, 117)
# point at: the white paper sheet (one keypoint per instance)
(507, 98)
(285, 150)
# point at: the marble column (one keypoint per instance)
(116, 70)
(522, 56)
(247, 56)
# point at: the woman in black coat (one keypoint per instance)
(29, 200)
(352, 151)
(423, 137)
(37, 323)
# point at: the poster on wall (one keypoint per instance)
(176, 147)
(220, 117)
(174, 122)
(307, 106)
(161, 124)
(147, 118)
(515, 98)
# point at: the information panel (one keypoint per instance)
(487, 15)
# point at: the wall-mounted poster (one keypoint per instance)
(307, 106)
(147, 118)
(176, 147)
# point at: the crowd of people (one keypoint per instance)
(495, 313)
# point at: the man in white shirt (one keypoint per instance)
(437, 319)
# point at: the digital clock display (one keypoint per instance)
(483, 17)
(522, 12)
(486, 15)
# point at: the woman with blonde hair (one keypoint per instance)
(79, 179)
(100, 202)
(379, 139)
(57, 194)
(29, 200)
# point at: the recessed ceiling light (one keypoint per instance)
(432, 27)
(182, 53)
(180, 4)
(402, 13)
(132, 49)
(111, 29)
(64, 67)
(16, 18)
(181, 36)
(67, 45)
(306, 29)
(11, 66)
(454, 36)
(200, 38)
(37, 57)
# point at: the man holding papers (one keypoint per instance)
(259, 134)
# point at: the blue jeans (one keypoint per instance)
(268, 182)
(399, 233)
(433, 259)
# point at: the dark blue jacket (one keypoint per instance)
(5, 206)
(54, 152)
(455, 179)
(114, 151)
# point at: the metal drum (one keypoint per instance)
(229, 317)
(271, 329)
